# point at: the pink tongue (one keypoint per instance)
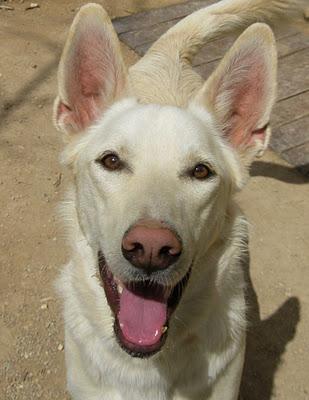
(141, 320)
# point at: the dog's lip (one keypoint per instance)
(111, 285)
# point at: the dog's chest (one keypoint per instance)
(171, 378)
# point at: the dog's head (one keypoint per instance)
(153, 183)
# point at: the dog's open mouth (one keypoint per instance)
(142, 310)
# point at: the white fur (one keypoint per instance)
(163, 122)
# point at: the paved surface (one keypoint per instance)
(290, 120)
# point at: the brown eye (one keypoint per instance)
(111, 162)
(201, 171)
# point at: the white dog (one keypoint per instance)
(154, 293)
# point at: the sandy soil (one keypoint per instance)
(33, 246)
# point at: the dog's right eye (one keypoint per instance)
(111, 162)
(201, 172)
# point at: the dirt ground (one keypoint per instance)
(33, 247)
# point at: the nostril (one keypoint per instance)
(169, 251)
(136, 248)
(165, 250)
(132, 249)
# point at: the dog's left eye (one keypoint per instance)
(111, 162)
(201, 171)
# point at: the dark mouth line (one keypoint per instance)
(147, 289)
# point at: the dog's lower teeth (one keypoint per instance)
(164, 329)
(119, 288)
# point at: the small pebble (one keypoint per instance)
(60, 347)
(32, 6)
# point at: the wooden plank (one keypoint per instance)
(205, 70)
(141, 50)
(293, 134)
(293, 76)
(290, 109)
(153, 17)
(292, 44)
(284, 31)
(216, 49)
(145, 36)
(287, 43)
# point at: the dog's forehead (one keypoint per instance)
(146, 127)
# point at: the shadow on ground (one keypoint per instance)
(22, 95)
(280, 172)
(266, 343)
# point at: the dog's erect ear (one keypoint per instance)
(241, 91)
(91, 71)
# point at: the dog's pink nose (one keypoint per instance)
(151, 248)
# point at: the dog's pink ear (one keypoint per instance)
(91, 72)
(241, 92)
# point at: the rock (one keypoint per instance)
(32, 6)
(60, 347)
